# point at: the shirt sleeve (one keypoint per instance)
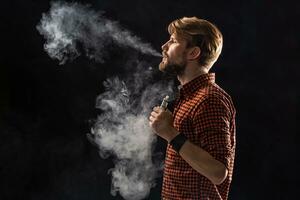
(212, 124)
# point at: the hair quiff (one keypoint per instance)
(201, 33)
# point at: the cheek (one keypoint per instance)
(172, 51)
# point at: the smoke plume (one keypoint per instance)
(122, 130)
(69, 25)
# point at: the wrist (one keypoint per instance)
(178, 141)
(172, 134)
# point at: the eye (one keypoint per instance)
(173, 40)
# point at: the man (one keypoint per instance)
(201, 130)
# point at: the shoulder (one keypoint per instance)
(214, 96)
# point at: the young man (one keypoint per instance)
(201, 130)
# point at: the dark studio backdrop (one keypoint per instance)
(46, 108)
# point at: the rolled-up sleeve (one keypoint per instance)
(212, 125)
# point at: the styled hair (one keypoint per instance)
(201, 33)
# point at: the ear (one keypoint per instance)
(194, 53)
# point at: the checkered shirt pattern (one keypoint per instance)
(205, 114)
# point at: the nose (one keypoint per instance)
(164, 46)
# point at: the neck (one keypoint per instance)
(190, 73)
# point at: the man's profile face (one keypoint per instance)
(174, 55)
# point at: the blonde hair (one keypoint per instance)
(201, 33)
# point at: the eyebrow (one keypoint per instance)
(174, 38)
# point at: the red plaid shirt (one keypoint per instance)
(205, 114)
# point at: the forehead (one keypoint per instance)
(177, 37)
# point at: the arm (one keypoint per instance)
(212, 122)
(201, 161)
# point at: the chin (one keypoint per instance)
(162, 66)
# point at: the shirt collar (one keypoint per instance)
(198, 82)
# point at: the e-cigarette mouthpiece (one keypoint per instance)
(164, 103)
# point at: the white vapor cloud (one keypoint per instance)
(70, 25)
(122, 130)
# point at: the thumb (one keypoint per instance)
(168, 111)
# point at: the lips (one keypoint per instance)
(164, 55)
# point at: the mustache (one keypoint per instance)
(164, 54)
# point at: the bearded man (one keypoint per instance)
(201, 130)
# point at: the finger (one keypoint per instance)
(151, 123)
(168, 111)
(157, 109)
(154, 114)
(151, 119)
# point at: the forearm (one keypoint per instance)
(203, 162)
(196, 157)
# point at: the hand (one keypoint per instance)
(161, 121)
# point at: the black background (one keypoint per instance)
(46, 108)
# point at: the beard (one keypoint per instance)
(172, 68)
